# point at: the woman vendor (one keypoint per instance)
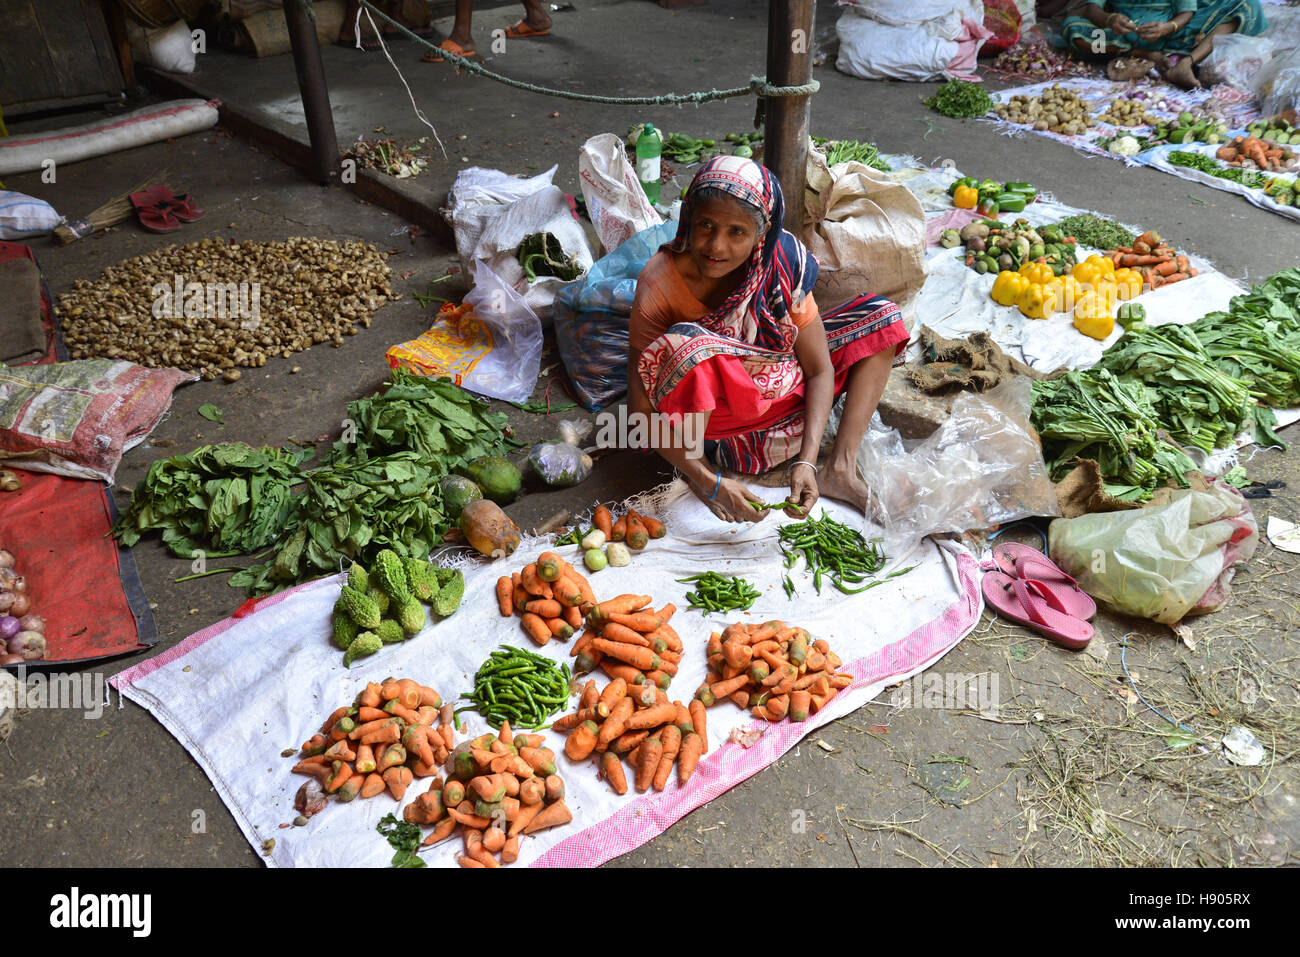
(1134, 35)
(724, 329)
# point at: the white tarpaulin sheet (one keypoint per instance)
(241, 691)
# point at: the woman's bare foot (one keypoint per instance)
(1126, 69)
(1182, 74)
(840, 481)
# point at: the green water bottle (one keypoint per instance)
(649, 145)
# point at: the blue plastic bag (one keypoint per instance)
(591, 318)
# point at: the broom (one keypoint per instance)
(116, 210)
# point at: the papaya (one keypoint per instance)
(499, 480)
(488, 529)
(457, 492)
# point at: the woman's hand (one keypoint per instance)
(803, 491)
(1154, 31)
(731, 503)
(1120, 23)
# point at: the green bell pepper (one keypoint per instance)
(964, 181)
(1130, 314)
(1010, 202)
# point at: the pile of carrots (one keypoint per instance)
(1158, 263)
(629, 640)
(631, 527)
(1264, 155)
(385, 740)
(500, 787)
(637, 724)
(773, 670)
(550, 595)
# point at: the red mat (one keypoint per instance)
(85, 587)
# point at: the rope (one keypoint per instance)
(758, 85)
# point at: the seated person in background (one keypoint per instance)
(1134, 35)
(724, 328)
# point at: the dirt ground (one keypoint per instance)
(1071, 767)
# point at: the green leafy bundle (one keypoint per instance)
(852, 151)
(354, 510)
(227, 499)
(1195, 402)
(446, 426)
(1095, 415)
(1095, 232)
(960, 98)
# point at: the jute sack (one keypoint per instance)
(866, 230)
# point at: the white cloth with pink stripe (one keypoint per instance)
(241, 691)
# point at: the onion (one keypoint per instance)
(32, 623)
(6, 559)
(33, 644)
(11, 659)
(10, 626)
(20, 584)
(14, 644)
(21, 604)
(6, 600)
(7, 578)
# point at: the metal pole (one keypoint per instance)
(314, 92)
(785, 136)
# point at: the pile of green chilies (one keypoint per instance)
(714, 592)
(520, 687)
(832, 548)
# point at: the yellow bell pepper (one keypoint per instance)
(1105, 262)
(966, 197)
(1106, 292)
(1093, 317)
(1129, 283)
(1071, 293)
(1037, 302)
(1037, 273)
(1008, 287)
(1087, 272)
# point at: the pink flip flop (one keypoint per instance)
(1021, 561)
(1035, 606)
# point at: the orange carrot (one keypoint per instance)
(616, 723)
(611, 770)
(370, 697)
(567, 591)
(581, 741)
(711, 694)
(632, 676)
(494, 839)
(604, 521)
(313, 768)
(613, 631)
(613, 692)
(549, 565)
(340, 771)
(619, 530)
(622, 605)
(441, 831)
(525, 817)
(559, 628)
(634, 655)
(554, 787)
(689, 756)
(398, 780)
(573, 618)
(333, 720)
(653, 716)
(536, 628)
(466, 861)
(637, 536)
(699, 721)
(552, 816)
(672, 742)
(571, 721)
(800, 701)
(653, 526)
(647, 764)
(643, 621)
(521, 598)
(545, 607)
(533, 583)
(505, 596)
(314, 745)
(468, 818)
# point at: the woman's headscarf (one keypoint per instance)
(781, 271)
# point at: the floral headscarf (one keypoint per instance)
(781, 270)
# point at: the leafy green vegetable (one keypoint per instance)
(1236, 476)
(1195, 402)
(960, 98)
(433, 417)
(856, 151)
(542, 255)
(1095, 232)
(222, 499)
(354, 510)
(541, 408)
(1095, 415)
(1204, 164)
(211, 413)
(404, 839)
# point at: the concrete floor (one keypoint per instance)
(869, 787)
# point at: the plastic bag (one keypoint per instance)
(982, 467)
(495, 350)
(562, 463)
(1162, 562)
(24, 217)
(491, 213)
(1236, 60)
(591, 319)
(616, 203)
(1281, 91)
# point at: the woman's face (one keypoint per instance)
(722, 237)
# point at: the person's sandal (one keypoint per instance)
(450, 46)
(182, 206)
(152, 216)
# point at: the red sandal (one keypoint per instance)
(152, 216)
(182, 207)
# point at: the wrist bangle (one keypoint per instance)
(716, 487)
(811, 465)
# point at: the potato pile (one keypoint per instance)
(1058, 110)
(1127, 112)
(773, 670)
(307, 292)
(636, 723)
